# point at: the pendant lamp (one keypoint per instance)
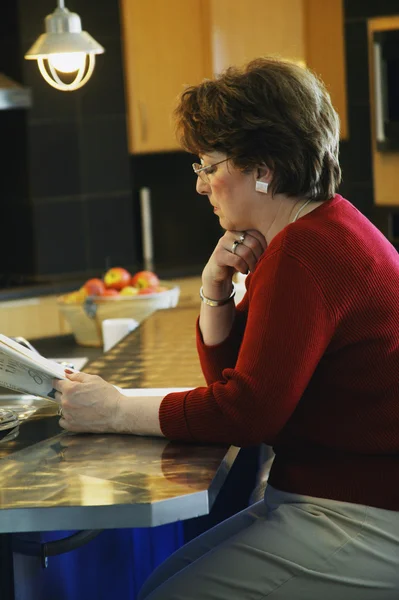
(65, 49)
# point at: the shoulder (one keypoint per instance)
(332, 232)
(319, 246)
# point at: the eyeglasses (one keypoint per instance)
(203, 172)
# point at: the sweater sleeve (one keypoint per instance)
(288, 329)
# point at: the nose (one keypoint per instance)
(202, 187)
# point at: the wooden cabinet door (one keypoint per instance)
(166, 45)
(308, 32)
(325, 51)
(242, 31)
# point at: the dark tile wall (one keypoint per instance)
(69, 189)
(16, 230)
(356, 153)
(77, 177)
(185, 229)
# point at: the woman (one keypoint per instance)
(308, 362)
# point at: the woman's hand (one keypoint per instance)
(88, 403)
(218, 272)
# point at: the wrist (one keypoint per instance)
(118, 424)
(217, 290)
(217, 301)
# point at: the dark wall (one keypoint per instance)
(16, 232)
(185, 229)
(78, 176)
(356, 153)
(69, 192)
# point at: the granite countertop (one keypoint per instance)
(53, 480)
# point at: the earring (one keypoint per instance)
(262, 186)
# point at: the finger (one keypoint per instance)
(235, 261)
(259, 237)
(77, 376)
(246, 254)
(67, 425)
(252, 238)
(254, 246)
(60, 384)
(58, 396)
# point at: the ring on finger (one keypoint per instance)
(234, 246)
(60, 413)
(242, 237)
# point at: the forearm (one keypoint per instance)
(216, 322)
(138, 415)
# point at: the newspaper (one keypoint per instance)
(25, 371)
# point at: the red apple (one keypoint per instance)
(110, 292)
(94, 287)
(129, 290)
(144, 279)
(117, 278)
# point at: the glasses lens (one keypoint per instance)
(201, 174)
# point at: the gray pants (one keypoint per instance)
(287, 547)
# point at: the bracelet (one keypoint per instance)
(210, 302)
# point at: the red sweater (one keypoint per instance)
(311, 366)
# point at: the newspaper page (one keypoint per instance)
(25, 371)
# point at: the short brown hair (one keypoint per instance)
(269, 112)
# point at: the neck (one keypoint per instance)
(300, 209)
(287, 209)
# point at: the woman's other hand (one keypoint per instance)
(223, 263)
(88, 403)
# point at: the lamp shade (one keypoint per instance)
(60, 43)
(65, 47)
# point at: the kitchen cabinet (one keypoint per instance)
(166, 45)
(242, 31)
(325, 51)
(170, 44)
(308, 32)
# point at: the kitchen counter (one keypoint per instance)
(74, 481)
(108, 481)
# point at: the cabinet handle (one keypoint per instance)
(378, 96)
(143, 122)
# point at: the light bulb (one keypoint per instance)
(68, 62)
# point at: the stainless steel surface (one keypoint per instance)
(13, 95)
(9, 424)
(109, 481)
(25, 406)
(97, 482)
(160, 353)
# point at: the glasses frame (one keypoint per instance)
(201, 171)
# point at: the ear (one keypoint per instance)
(264, 173)
(263, 177)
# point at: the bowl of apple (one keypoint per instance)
(119, 294)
